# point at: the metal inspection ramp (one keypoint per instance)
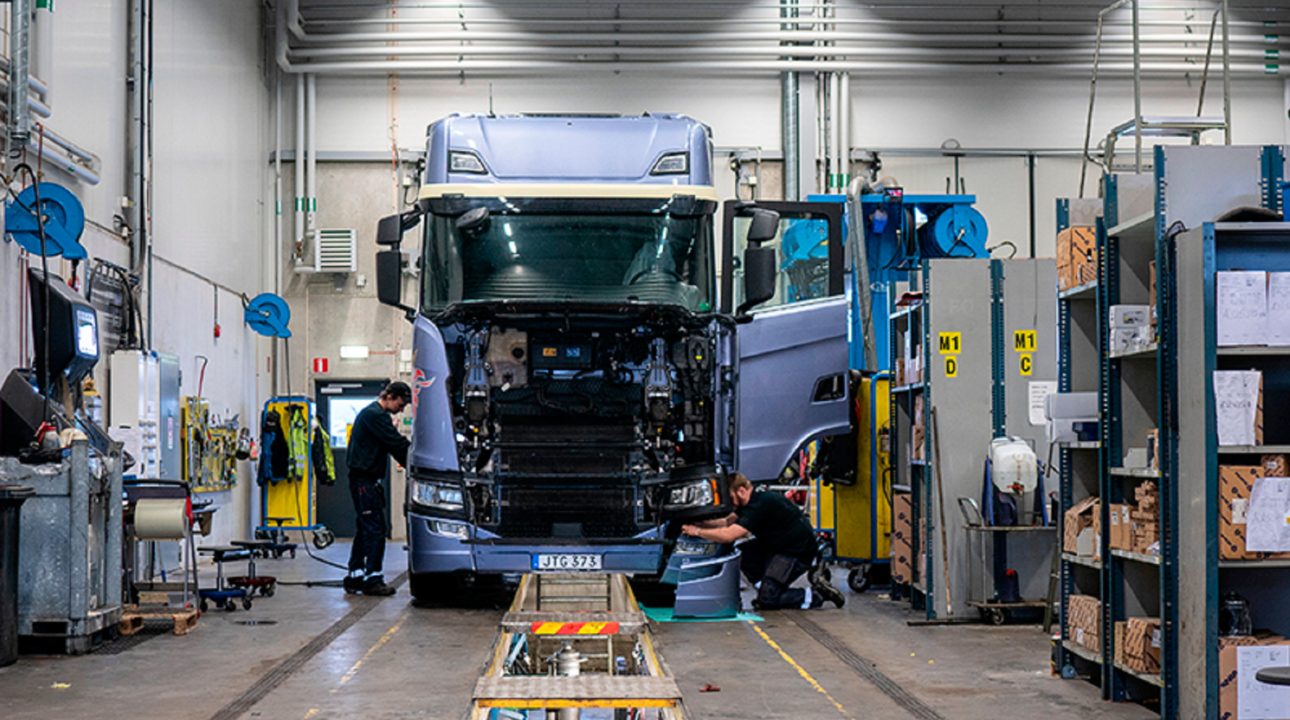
(590, 691)
(571, 642)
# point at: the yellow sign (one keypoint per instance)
(1024, 341)
(951, 365)
(1027, 364)
(951, 343)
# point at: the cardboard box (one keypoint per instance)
(1118, 646)
(1234, 485)
(1084, 622)
(1275, 466)
(919, 442)
(902, 538)
(1076, 257)
(1076, 520)
(1228, 675)
(1121, 533)
(1142, 640)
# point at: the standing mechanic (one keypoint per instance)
(782, 549)
(372, 441)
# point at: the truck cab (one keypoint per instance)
(579, 386)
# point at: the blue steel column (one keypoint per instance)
(1064, 478)
(999, 396)
(1108, 260)
(1211, 479)
(1167, 423)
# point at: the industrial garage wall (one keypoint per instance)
(330, 310)
(897, 115)
(210, 114)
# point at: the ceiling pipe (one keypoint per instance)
(19, 53)
(844, 129)
(689, 39)
(790, 114)
(745, 51)
(298, 169)
(311, 159)
(500, 68)
(689, 22)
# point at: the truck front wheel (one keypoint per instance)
(433, 588)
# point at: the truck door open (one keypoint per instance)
(791, 352)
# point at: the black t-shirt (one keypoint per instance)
(780, 525)
(371, 441)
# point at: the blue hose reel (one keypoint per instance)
(64, 219)
(268, 315)
(961, 231)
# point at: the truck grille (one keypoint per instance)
(538, 512)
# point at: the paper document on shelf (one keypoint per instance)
(1236, 402)
(1039, 392)
(1256, 700)
(1279, 309)
(1266, 526)
(1242, 308)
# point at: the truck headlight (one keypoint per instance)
(693, 546)
(437, 495)
(464, 161)
(450, 529)
(703, 492)
(672, 164)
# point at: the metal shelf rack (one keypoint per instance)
(1198, 255)
(1146, 218)
(970, 359)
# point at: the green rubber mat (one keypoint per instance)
(665, 615)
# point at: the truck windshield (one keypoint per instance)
(587, 251)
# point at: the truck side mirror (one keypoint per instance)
(389, 279)
(390, 229)
(759, 262)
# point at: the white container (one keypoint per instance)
(1013, 465)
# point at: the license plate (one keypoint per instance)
(561, 563)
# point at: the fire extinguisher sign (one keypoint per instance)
(320, 365)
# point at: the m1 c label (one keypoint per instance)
(1027, 364)
(1024, 341)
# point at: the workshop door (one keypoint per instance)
(339, 402)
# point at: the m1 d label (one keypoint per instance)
(1024, 341)
(950, 343)
(951, 365)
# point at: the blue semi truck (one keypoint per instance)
(584, 377)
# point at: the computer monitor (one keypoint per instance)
(73, 329)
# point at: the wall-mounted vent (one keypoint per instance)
(336, 251)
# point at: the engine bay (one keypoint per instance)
(585, 429)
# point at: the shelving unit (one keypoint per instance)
(1165, 385)
(970, 361)
(1204, 577)
(1079, 463)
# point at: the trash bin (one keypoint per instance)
(11, 499)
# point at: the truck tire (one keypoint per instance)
(432, 588)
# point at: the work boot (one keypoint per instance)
(826, 591)
(352, 584)
(379, 589)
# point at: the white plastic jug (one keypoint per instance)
(1014, 467)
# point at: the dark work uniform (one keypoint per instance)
(782, 548)
(372, 441)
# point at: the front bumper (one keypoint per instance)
(431, 552)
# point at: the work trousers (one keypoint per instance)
(367, 555)
(776, 572)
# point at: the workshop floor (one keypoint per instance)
(318, 654)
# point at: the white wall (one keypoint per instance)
(209, 172)
(981, 111)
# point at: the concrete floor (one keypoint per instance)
(399, 661)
